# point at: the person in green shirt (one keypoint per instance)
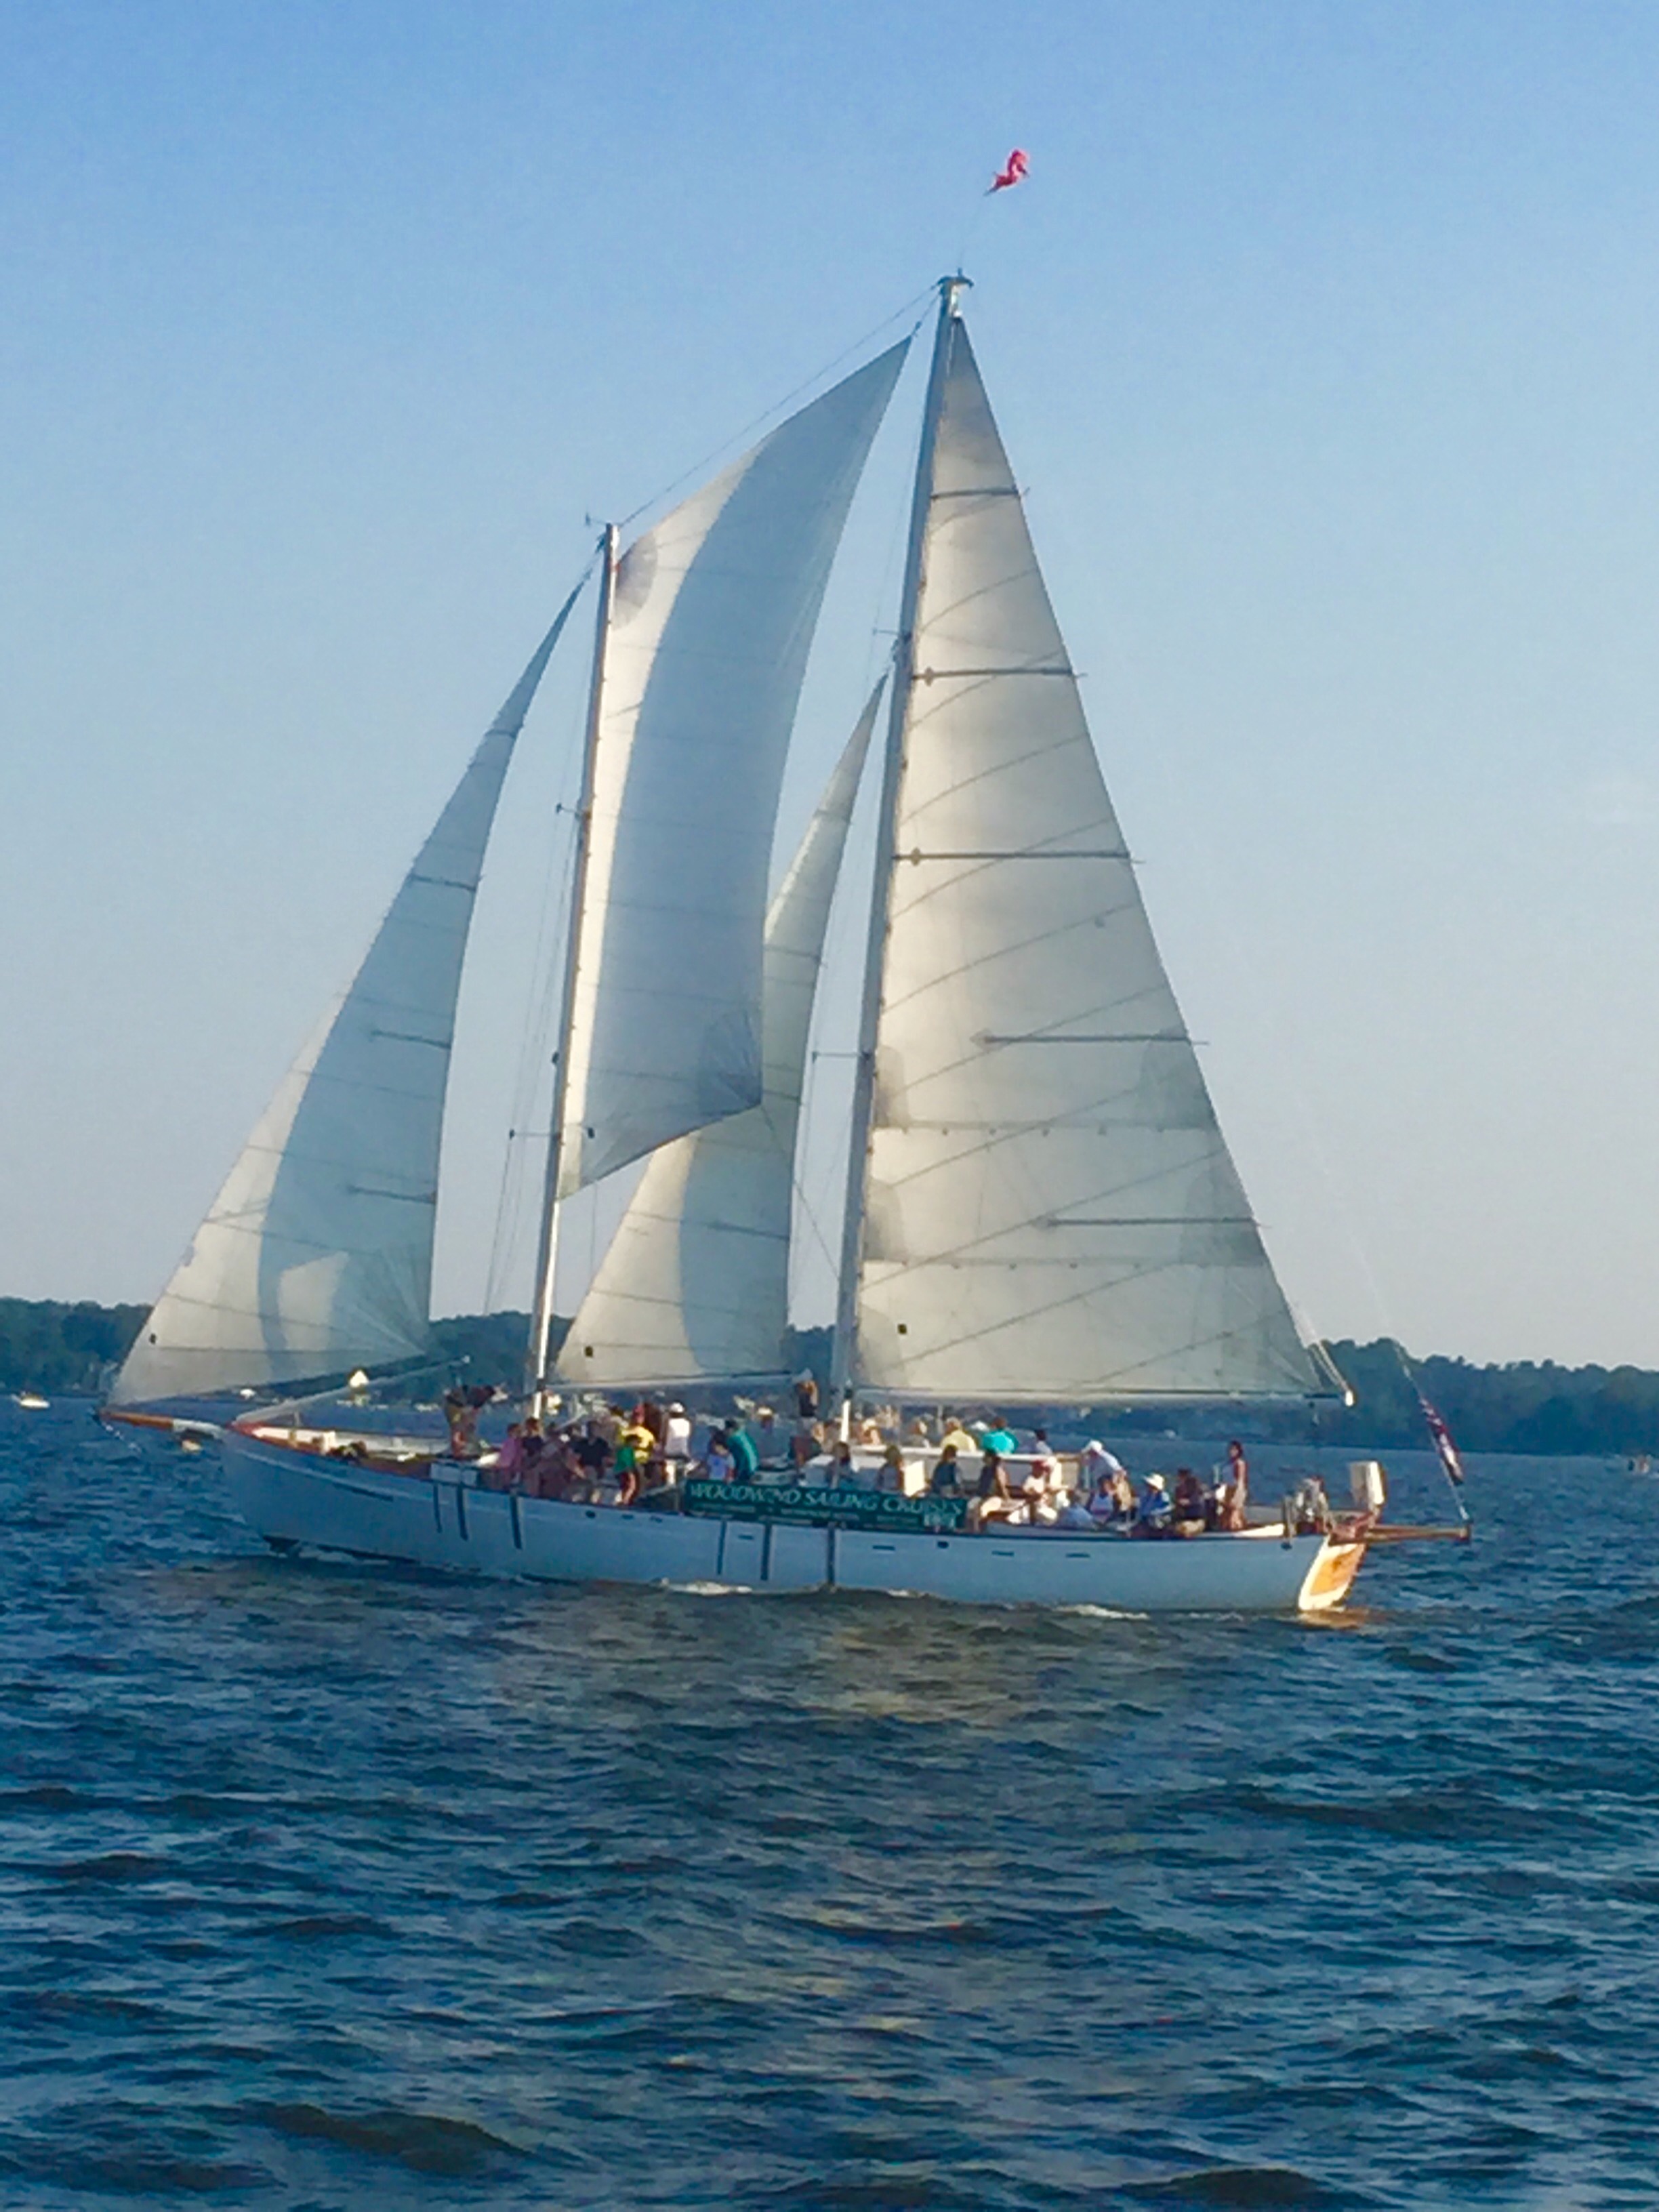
(745, 1460)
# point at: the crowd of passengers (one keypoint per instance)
(641, 1457)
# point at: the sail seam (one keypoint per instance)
(945, 675)
(1094, 1036)
(1098, 852)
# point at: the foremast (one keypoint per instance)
(541, 1321)
(843, 1354)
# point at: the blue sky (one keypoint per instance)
(1323, 335)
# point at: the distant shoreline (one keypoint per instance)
(1534, 1408)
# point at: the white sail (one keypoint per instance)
(1049, 1209)
(316, 1257)
(695, 1285)
(712, 619)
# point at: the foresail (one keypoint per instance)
(695, 1286)
(712, 617)
(316, 1257)
(1050, 1211)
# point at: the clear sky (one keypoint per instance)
(1324, 335)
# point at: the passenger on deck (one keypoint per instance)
(547, 1471)
(999, 1439)
(462, 1403)
(1310, 1507)
(946, 1481)
(1074, 1512)
(592, 1453)
(1232, 1496)
(509, 1460)
(807, 1444)
(1102, 1501)
(1043, 1481)
(806, 1395)
(550, 1468)
(1192, 1501)
(676, 1440)
(745, 1459)
(958, 1438)
(769, 1437)
(840, 1465)
(634, 1449)
(717, 1464)
(1153, 1515)
(993, 1500)
(1094, 1460)
(890, 1475)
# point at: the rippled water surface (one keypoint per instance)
(328, 1885)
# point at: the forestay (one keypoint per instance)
(695, 1286)
(1050, 1211)
(316, 1257)
(713, 617)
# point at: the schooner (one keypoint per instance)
(1040, 1207)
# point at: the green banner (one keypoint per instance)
(821, 1507)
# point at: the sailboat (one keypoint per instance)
(1040, 1207)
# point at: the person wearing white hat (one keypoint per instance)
(1153, 1516)
(675, 1441)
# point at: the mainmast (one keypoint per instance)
(541, 1322)
(841, 1377)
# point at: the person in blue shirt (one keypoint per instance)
(1153, 1515)
(745, 1460)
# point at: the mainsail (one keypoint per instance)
(700, 668)
(1044, 1207)
(316, 1257)
(695, 1286)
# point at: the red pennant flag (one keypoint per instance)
(1014, 173)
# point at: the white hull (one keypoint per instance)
(292, 1495)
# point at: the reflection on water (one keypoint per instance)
(339, 1886)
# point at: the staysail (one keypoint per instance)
(695, 1286)
(316, 1257)
(1045, 1208)
(700, 668)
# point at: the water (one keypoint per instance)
(336, 1887)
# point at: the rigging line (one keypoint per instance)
(797, 1189)
(739, 437)
(532, 1056)
(532, 1048)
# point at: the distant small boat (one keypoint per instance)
(31, 1401)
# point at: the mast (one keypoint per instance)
(541, 1322)
(863, 1079)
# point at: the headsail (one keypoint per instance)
(1047, 1208)
(695, 1286)
(316, 1257)
(700, 673)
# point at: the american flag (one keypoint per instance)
(1445, 1448)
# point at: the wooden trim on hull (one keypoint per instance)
(296, 1496)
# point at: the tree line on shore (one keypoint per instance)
(1524, 1405)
